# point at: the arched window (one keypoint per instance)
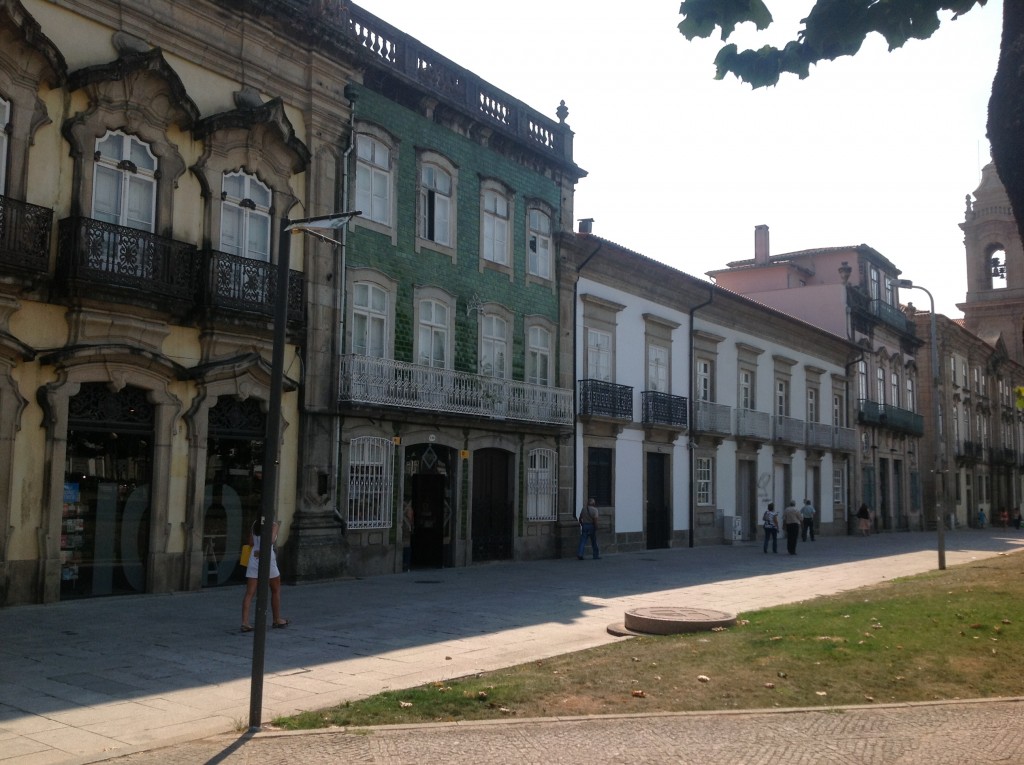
(493, 346)
(435, 205)
(124, 184)
(369, 320)
(373, 178)
(245, 217)
(539, 256)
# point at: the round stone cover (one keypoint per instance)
(672, 620)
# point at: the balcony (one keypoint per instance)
(604, 399)
(753, 424)
(24, 237)
(970, 451)
(844, 439)
(892, 417)
(892, 315)
(664, 409)
(711, 418)
(902, 420)
(397, 384)
(114, 263)
(1003, 455)
(790, 430)
(819, 435)
(242, 285)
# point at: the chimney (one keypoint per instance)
(761, 245)
(586, 225)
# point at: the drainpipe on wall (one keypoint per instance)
(340, 302)
(586, 227)
(690, 444)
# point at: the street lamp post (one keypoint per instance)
(272, 444)
(936, 390)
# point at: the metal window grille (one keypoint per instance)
(370, 483)
(541, 485)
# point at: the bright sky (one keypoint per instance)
(879, 149)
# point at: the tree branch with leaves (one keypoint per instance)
(835, 28)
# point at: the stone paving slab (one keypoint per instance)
(69, 671)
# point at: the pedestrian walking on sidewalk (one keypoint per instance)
(791, 520)
(770, 521)
(807, 522)
(864, 519)
(252, 578)
(588, 529)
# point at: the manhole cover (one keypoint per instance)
(672, 620)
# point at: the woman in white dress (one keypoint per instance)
(252, 574)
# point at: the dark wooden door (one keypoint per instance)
(659, 512)
(493, 517)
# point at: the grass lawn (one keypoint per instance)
(950, 634)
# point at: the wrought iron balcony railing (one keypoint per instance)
(604, 399)
(711, 418)
(902, 420)
(751, 423)
(892, 316)
(250, 286)
(790, 430)
(844, 439)
(388, 383)
(664, 409)
(95, 255)
(24, 236)
(888, 416)
(819, 435)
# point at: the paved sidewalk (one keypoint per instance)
(90, 680)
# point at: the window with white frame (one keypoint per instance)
(705, 480)
(838, 410)
(874, 285)
(5, 121)
(838, 485)
(894, 388)
(890, 291)
(495, 227)
(782, 397)
(705, 379)
(539, 256)
(812, 404)
(245, 217)
(599, 355)
(541, 485)
(862, 380)
(538, 356)
(911, 398)
(956, 424)
(880, 385)
(493, 346)
(370, 313)
(124, 183)
(435, 204)
(657, 368)
(746, 390)
(432, 346)
(373, 179)
(963, 373)
(952, 370)
(370, 483)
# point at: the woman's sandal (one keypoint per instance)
(246, 628)
(281, 624)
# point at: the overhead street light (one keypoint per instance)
(272, 444)
(936, 389)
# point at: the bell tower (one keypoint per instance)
(994, 304)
